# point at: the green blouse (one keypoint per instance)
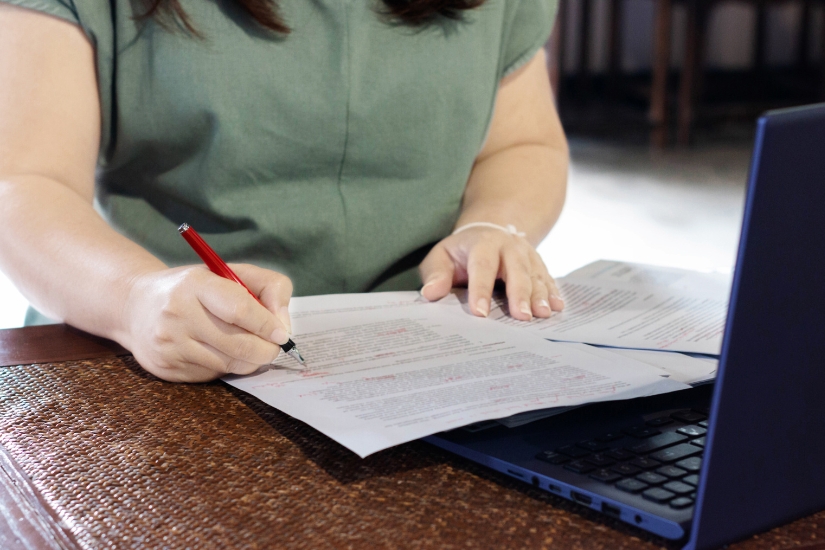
(337, 155)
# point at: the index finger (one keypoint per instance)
(273, 289)
(232, 304)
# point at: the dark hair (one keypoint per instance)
(265, 12)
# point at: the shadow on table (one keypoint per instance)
(347, 467)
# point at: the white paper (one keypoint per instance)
(618, 360)
(676, 366)
(629, 315)
(350, 303)
(681, 367)
(393, 373)
(707, 284)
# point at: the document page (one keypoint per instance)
(676, 366)
(616, 356)
(681, 367)
(629, 315)
(707, 284)
(326, 304)
(393, 373)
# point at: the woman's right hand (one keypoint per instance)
(182, 324)
(187, 324)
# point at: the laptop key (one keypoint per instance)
(681, 502)
(671, 471)
(688, 417)
(679, 488)
(692, 431)
(593, 446)
(692, 479)
(610, 436)
(579, 467)
(657, 442)
(704, 423)
(641, 432)
(632, 485)
(699, 442)
(672, 454)
(646, 463)
(657, 494)
(600, 460)
(605, 476)
(661, 421)
(552, 457)
(651, 478)
(572, 451)
(620, 454)
(626, 469)
(692, 464)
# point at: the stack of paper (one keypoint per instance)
(630, 314)
(388, 368)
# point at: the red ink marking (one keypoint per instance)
(392, 332)
(313, 374)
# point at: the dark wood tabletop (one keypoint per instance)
(96, 453)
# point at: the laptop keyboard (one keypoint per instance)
(659, 460)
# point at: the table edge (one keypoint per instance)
(53, 344)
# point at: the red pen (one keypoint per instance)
(219, 267)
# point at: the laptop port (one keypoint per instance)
(517, 474)
(611, 510)
(583, 499)
(535, 481)
(554, 488)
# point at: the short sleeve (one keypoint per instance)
(63, 9)
(528, 25)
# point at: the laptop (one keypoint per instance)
(713, 464)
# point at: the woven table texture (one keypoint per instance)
(128, 461)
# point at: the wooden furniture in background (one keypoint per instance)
(691, 81)
(690, 76)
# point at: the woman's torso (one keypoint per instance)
(336, 155)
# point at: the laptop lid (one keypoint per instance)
(764, 464)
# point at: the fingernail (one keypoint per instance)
(524, 307)
(279, 336)
(431, 283)
(283, 315)
(483, 307)
(544, 303)
(558, 299)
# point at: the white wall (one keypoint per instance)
(730, 34)
(12, 304)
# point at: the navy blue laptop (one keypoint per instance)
(717, 463)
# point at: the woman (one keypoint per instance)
(373, 146)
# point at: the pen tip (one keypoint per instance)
(297, 356)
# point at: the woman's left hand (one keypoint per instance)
(477, 257)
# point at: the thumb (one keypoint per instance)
(437, 271)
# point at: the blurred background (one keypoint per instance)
(659, 99)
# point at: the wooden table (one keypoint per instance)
(96, 453)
